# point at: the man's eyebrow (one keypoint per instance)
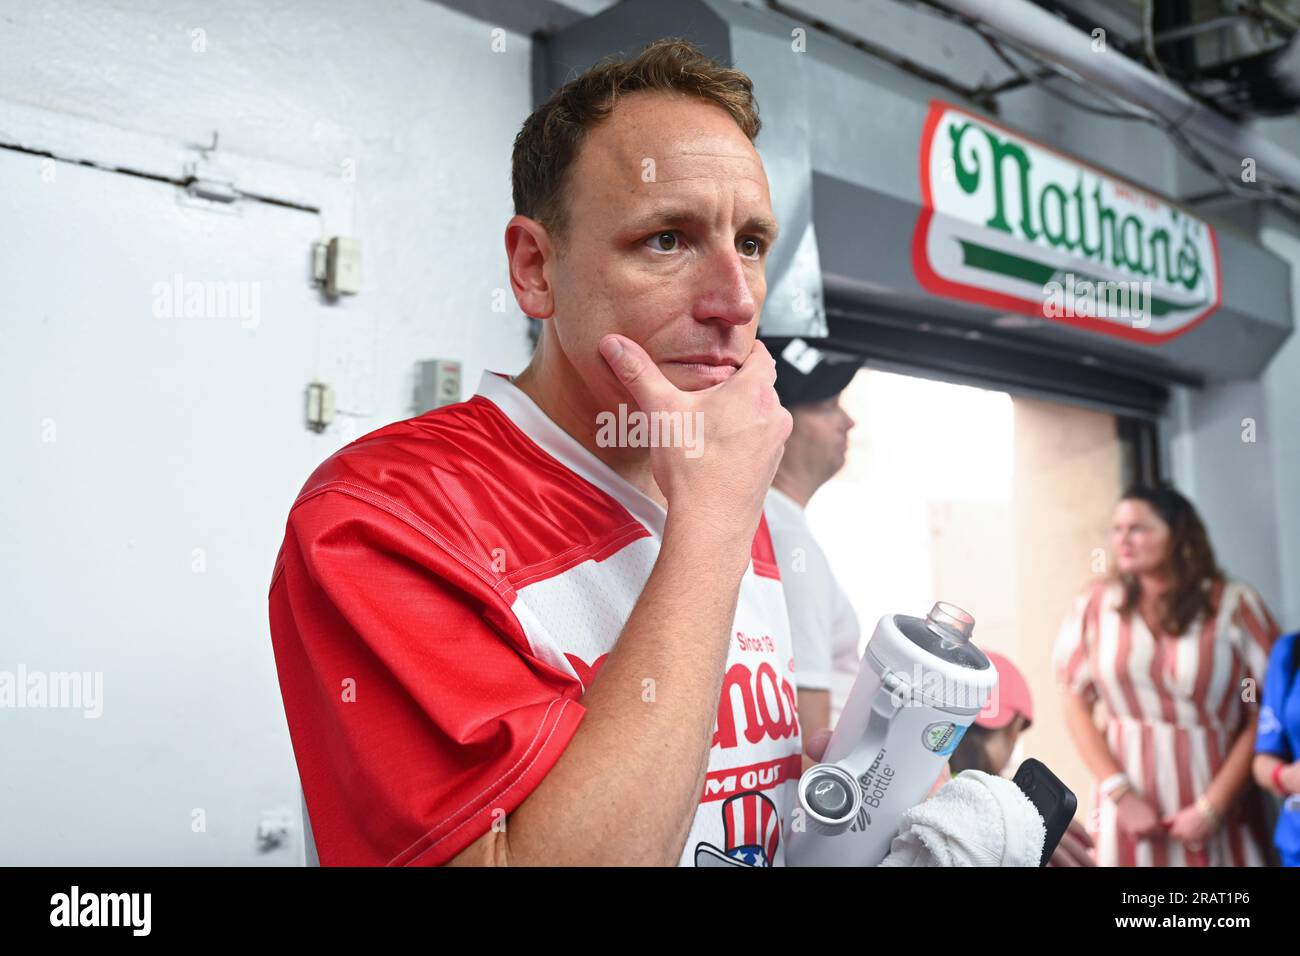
(762, 226)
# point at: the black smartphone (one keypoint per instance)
(1054, 801)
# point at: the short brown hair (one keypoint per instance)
(548, 142)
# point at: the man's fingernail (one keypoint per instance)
(612, 349)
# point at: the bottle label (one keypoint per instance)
(942, 737)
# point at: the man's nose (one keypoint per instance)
(726, 294)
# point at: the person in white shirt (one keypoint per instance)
(823, 624)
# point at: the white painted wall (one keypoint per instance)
(413, 98)
(155, 451)
(1232, 482)
(1282, 394)
(408, 90)
(1250, 493)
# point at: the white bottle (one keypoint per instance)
(921, 684)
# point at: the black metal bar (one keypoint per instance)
(997, 361)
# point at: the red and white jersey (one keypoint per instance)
(447, 589)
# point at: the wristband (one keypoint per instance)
(1114, 782)
(1207, 810)
(1277, 779)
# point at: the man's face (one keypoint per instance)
(670, 223)
(820, 437)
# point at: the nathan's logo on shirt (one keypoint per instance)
(1007, 222)
(762, 644)
(766, 701)
(751, 833)
(756, 706)
(764, 775)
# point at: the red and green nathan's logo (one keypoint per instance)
(1005, 220)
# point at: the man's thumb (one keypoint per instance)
(634, 368)
(816, 743)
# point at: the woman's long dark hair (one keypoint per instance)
(1191, 561)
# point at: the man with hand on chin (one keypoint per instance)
(502, 642)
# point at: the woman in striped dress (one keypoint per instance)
(1176, 652)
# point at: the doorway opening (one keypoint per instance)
(993, 501)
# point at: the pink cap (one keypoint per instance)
(1009, 698)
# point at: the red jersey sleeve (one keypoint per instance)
(418, 715)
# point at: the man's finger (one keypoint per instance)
(759, 363)
(635, 369)
(1068, 856)
(1072, 851)
(1080, 833)
(815, 745)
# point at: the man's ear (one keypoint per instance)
(528, 249)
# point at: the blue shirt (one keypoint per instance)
(1279, 728)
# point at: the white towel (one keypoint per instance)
(975, 819)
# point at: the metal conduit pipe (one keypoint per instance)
(1055, 41)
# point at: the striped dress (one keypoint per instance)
(1174, 707)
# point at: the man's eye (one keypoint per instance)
(664, 241)
(750, 247)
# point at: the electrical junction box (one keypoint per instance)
(337, 265)
(437, 383)
(320, 406)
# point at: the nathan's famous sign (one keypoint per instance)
(1012, 224)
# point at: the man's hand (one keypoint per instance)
(815, 746)
(1074, 849)
(742, 433)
